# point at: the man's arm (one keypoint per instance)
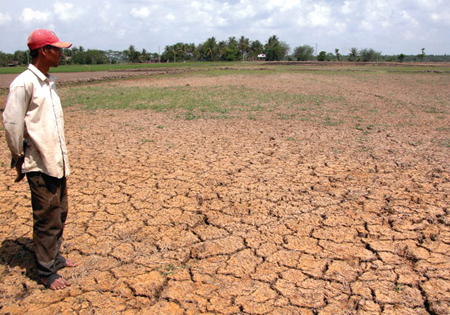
(14, 123)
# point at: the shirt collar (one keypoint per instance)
(40, 75)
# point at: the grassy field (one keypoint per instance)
(403, 67)
(109, 67)
(225, 100)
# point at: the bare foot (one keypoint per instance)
(71, 263)
(57, 284)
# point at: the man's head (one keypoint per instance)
(45, 49)
(41, 37)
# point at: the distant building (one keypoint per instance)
(262, 57)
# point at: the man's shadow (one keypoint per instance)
(19, 253)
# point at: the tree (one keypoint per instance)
(401, 57)
(190, 51)
(5, 59)
(322, 56)
(284, 50)
(231, 51)
(132, 54)
(222, 49)
(167, 53)
(353, 56)
(338, 55)
(96, 57)
(256, 48)
(368, 55)
(275, 49)
(422, 55)
(179, 49)
(145, 56)
(20, 57)
(304, 53)
(210, 49)
(244, 46)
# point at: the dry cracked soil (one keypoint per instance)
(276, 213)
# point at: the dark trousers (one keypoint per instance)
(50, 207)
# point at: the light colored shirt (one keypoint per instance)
(33, 113)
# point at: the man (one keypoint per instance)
(33, 121)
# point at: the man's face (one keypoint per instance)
(53, 55)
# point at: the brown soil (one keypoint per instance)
(278, 214)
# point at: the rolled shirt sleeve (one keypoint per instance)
(13, 120)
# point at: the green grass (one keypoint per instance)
(112, 67)
(445, 143)
(230, 101)
(217, 68)
(220, 101)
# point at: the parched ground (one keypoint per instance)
(342, 208)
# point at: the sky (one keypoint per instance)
(391, 27)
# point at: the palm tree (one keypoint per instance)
(273, 48)
(353, 56)
(221, 49)
(232, 42)
(273, 41)
(210, 48)
(256, 48)
(338, 55)
(131, 53)
(244, 44)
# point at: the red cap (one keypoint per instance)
(40, 38)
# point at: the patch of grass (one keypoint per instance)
(329, 122)
(223, 116)
(122, 66)
(189, 115)
(172, 268)
(445, 143)
(218, 99)
(398, 288)
(433, 110)
(285, 116)
(365, 149)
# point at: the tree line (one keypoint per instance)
(232, 49)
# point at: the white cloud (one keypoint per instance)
(346, 8)
(441, 17)
(222, 22)
(140, 13)
(245, 12)
(195, 5)
(320, 16)
(171, 17)
(29, 15)
(4, 19)
(290, 5)
(66, 11)
(121, 33)
(274, 4)
(380, 24)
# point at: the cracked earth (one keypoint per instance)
(270, 215)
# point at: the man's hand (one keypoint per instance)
(20, 175)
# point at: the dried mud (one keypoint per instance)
(277, 214)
